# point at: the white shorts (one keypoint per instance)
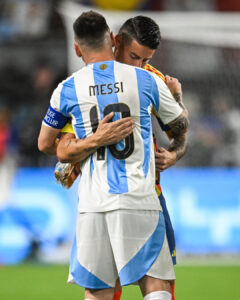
(123, 243)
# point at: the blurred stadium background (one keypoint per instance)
(201, 47)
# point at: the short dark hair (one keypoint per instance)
(90, 28)
(142, 29)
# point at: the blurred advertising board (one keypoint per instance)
(39, 212)
(204, 205)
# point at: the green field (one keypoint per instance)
(40, 282)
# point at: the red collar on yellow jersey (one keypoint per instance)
(155, 71)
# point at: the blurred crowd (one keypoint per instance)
(33, 50)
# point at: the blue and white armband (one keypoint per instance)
(55, 119)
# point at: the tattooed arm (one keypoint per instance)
(165, 158)
(175, 88)
(177, 132)
(75, 150)
(178, 145)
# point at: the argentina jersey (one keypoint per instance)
(120, 176)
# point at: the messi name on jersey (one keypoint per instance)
(104, 89)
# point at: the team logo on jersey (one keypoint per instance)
(103, 66)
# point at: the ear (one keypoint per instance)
(77, 50)
(118, 40)
(112, 39)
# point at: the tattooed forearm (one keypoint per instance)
(178, 126)
(91, 149)
(179, 99)
(85, 151)
(177, 132)
(68, 144)
(178, 145)
(75, 150)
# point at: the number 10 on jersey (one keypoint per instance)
(129, 141)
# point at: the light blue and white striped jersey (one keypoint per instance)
(120, 176)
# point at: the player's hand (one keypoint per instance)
(66, 173)
(113, 132)
(173, 84)
(76, 171)
(164, 159)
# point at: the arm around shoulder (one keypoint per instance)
(75, 150)
(108, 133)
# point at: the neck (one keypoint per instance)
(102, 55)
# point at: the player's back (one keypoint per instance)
(122, 175)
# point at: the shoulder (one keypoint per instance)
(64, 83)
(125, 67)
(145, 74)
(69, 82)
(153, 70)
(61, 93)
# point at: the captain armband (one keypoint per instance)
(55, 119)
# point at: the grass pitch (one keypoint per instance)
(38, 282)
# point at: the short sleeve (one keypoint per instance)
(56, 98)
(167, 109)
(54, 117)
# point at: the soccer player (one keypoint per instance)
(136, 42)
(120, 228)
(135, 46)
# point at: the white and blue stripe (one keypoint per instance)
(69, 105)
(111, 183)
(116, 170)
(81, 275)
(139, 265)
